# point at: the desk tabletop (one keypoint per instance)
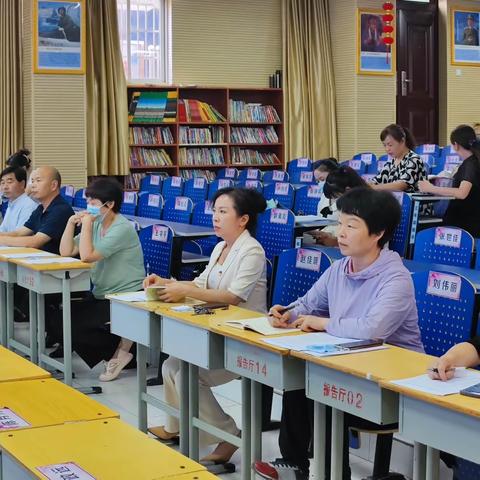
(51, 267)
(391, 363)
(6, 251)
(47, 402)
(152, 306)
(179, 229)
(13, 367)
(204, 475)
(103, 448)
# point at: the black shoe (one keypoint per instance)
(151, 382)
(57, 353)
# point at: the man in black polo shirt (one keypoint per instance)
(44, 228)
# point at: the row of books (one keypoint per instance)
(252, 112)
(253, 157)
(132, 181)
(150, 135)
(202, 135)
(201, 156)
(153, 107)
(197, 111)
(253, 135)
(207, 174)
(148, 157)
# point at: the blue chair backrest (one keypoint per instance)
(451, 162)
(302, 177)
(196, 189)
(129, 204)
(68, 193)
(151, 183)
(429, 148)
(255, 184)
(218, 184)
(230, 173)
(3, 207)
(250, 174)
(150, 205)
(172, 187)
(445, 303)
(306, 200)
(299, 164)
(295, 271)
(465, 469)
(369, 159)
(275, 231)
(178, 209)
(202, 215)
(357, 165)
(400, 238)
(283, 192)
(80, 200)
(272, 176)
(157, 243)
(444, 245)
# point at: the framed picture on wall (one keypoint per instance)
(464, 41)
(59, 36)
(373, 56)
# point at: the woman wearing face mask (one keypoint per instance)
(464, 210)
(108, 241)
(321, 168)
(235, 274)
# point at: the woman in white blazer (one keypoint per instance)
(235, 274)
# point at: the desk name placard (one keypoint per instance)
(444, 285)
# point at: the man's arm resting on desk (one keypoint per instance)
(23, 238)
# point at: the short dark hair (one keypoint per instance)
(325, 165)
(19, 159)
(106, 190)
(20, 173)
(378, 209)
(246, 201)
(465, 136)
(399, 133)
(341, 179)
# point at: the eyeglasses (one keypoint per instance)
(205, 310)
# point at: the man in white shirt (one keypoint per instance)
(20, 206)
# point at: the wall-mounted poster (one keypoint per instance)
(373, 56)
(465, 46)
(59, 36)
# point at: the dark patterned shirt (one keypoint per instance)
(410, 170)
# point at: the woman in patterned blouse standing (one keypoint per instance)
(405, 168)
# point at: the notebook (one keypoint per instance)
(260, 325)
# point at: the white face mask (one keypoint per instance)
(95, 211)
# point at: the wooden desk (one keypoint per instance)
(351, 384)
(106, 449)
(47, 402)
(257, 362)
(42, 279)
(13, 367)
(449, 423)
(8, 277)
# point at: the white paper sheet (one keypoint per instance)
(4, 247)
(132, 297)
(260, 325)
(29, 255)
(423, 383)
(52, 260)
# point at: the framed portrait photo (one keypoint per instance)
(373, 56)
(59, 37)
(464, 40)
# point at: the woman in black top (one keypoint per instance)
(464, 210)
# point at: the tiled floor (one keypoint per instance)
(120, 396)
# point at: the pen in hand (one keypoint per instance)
(435, 370)
(283, 310)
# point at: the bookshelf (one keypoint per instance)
(192, 131)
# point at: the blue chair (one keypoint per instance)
(250, 174)
(451, 162)
(129, 204)
(255, 184)
(399, 241)
(172, 187)
(428, 148)
(218, 184)
(443, 321)
(369, 159)
(275, 176)
(157, 246)
(466, 470)
(295, 271)
(230, 173)
(299, 164)
(3, 207)
(282, 192)
(202, 215)
(302, 177)
(435, 245)
(306, 200)
(429, 160)
(151, 183)
(80, 200)
(177, 209)
(150, 205)
(68, 193)
(196, 189)
(357, 165)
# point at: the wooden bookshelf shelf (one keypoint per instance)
(252, 103)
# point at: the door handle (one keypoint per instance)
(404, 83)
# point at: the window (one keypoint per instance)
(145, 37)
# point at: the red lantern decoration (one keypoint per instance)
(388, 40)
(388, 29)
(388, 17)
(388, 6)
